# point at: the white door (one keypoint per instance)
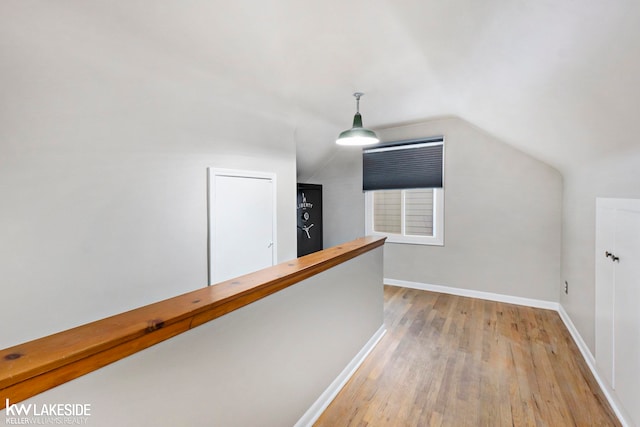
(618, 299)
(605, 242)
(626, 318)
(241, 223)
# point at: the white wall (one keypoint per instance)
(613, 175)
(105, 139)
(262, 365)
(503, 213)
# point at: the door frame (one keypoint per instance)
(212, 173)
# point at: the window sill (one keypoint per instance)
(411, 240)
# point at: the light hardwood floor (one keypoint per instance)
(456, 361)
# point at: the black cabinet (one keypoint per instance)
(309, 213)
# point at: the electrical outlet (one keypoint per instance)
(566, 287)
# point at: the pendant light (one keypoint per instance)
(357, 135)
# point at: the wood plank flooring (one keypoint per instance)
(456, 361)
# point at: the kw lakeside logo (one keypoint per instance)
(47, 414)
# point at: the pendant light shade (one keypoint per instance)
(357, 135)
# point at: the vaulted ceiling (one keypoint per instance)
(558, 79)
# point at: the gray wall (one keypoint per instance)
(615, 174)
(104, 144)
(503, 214)
(342, 196)
(262, 365)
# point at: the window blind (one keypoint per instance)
(403, 165)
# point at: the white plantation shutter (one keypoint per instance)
(418, 212)
(387, 215)
(408, 212)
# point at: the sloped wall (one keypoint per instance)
(503, 213)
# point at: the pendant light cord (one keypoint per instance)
(358, 105)
(358, 95)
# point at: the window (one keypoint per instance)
(406, 216)
(404, 198)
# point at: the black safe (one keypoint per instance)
(309, 214)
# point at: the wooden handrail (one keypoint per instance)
(35, 366)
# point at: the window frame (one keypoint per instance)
(438, 221)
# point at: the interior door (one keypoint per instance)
(605, 279)
(241, 223)
(626, 319)
(618, 299)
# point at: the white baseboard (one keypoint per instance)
(586, 353)
(549, 305)
(318, 407)
(591, 362)
(529, 302)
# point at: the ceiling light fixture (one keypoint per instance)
(357, 135)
